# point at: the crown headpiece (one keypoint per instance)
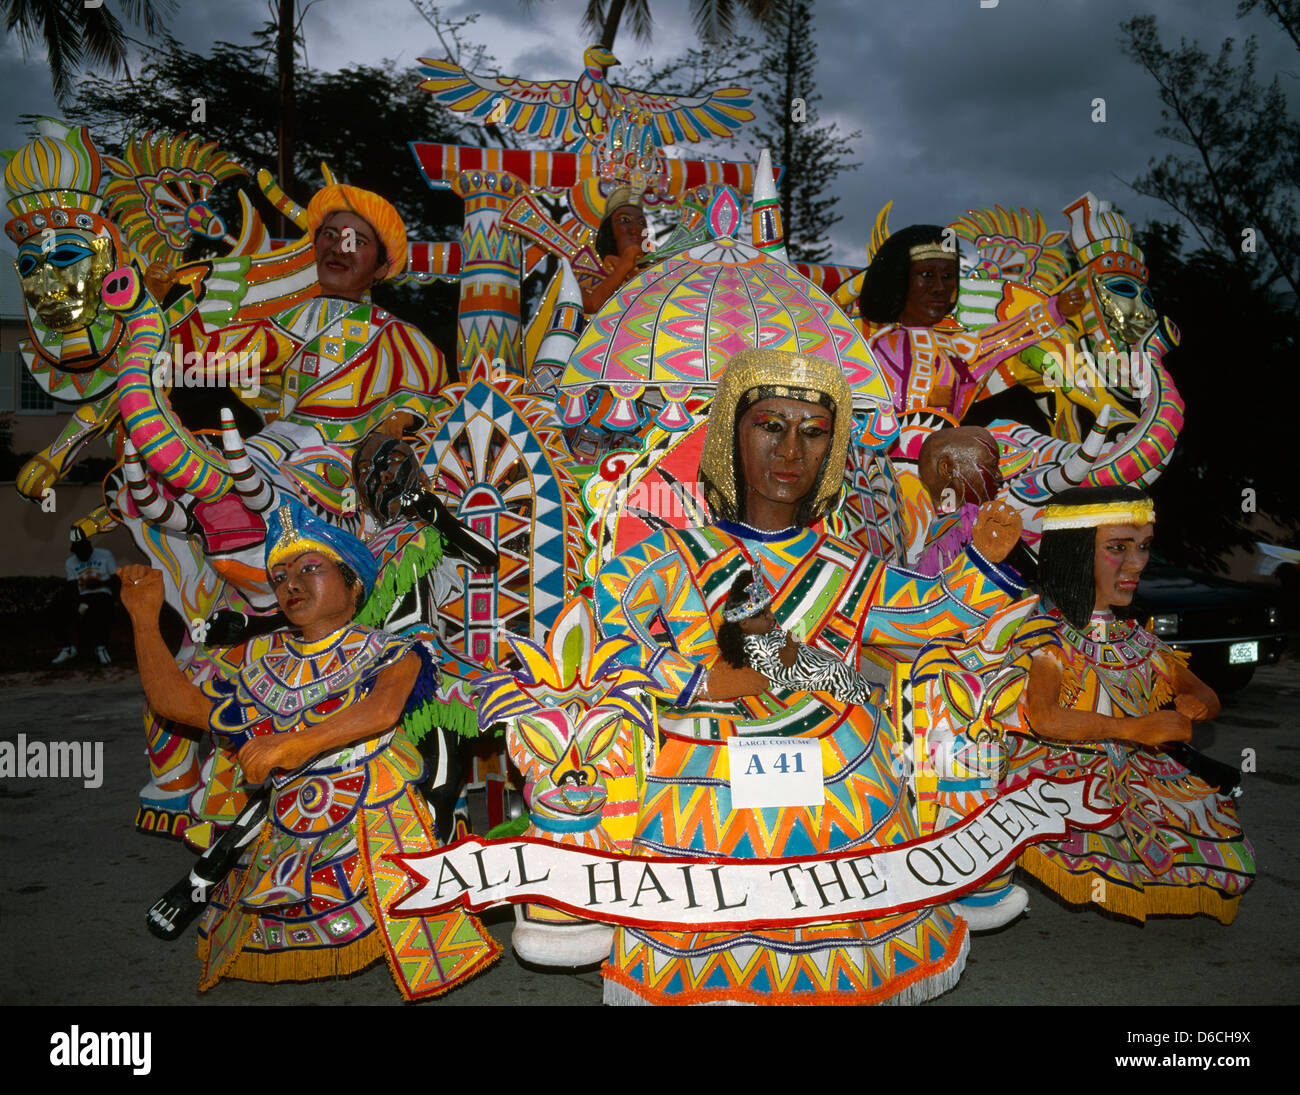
(53, 182)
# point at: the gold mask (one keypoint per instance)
(783, 375)
(1126, 307)
(61, 275)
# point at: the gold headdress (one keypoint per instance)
(924, 251)
(779, 374)
(620, 196)
(1139, 512)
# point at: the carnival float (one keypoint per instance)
(551, 538)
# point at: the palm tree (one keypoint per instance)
(714, 19)
(73, 32)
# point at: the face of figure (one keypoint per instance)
(1128, 310)
(347, 262)
(931, 292)
(1122, 554)
(629, 225)
(760, 624)
(964, 470)
(782, 444)
(311, 592)
(386, 469)
(61, 276)
(82, 549)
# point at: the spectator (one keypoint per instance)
(85, 608)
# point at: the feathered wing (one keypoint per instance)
(693, 117)
(538, 108)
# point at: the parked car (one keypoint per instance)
(1228, 627)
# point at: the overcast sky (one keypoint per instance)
(959, 105)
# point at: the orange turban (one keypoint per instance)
(370, 207)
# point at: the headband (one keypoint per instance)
(1140, 512)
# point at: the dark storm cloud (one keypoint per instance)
(958, 105)
(964, 106)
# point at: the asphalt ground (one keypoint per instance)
(76, 880)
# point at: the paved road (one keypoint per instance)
(75, 880)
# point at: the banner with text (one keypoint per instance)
(715, 893)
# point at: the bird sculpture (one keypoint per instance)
(585, 113)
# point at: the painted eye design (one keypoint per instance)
(1122, 287)
(27, 265)
(68, 253)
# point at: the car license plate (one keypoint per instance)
(1243, 653)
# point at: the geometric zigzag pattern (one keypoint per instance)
(428, 955)
(907, 958)
(828, 593)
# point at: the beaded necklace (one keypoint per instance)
(1125, 661)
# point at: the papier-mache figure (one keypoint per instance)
(620, 243)
(342, 365)
(908, 291)
(315, 713)
(772, 465)
(958, 467)
(751, 637)
(1108, 697)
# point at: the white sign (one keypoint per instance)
(775, 772)
(720, 894)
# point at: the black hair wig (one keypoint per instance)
(605, 237)
(353, 582)
(1065, 556)
(884, 287)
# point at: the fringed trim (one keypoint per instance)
(451, 715)
(299, 965)
(939, 982)
(420, 555)
(1136, 904)
(1162, 690)
(425, 686)
(920, 984)
(1164, 687)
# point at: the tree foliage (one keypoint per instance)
(1238, 187)
(1234, 370)
(74, 33)
(1236, 307)
(715, 20)
(813, 155)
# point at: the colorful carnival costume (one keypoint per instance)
(341, 365)
(1178, 847)
(309, 896)
(928, 359)
(667, 593)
